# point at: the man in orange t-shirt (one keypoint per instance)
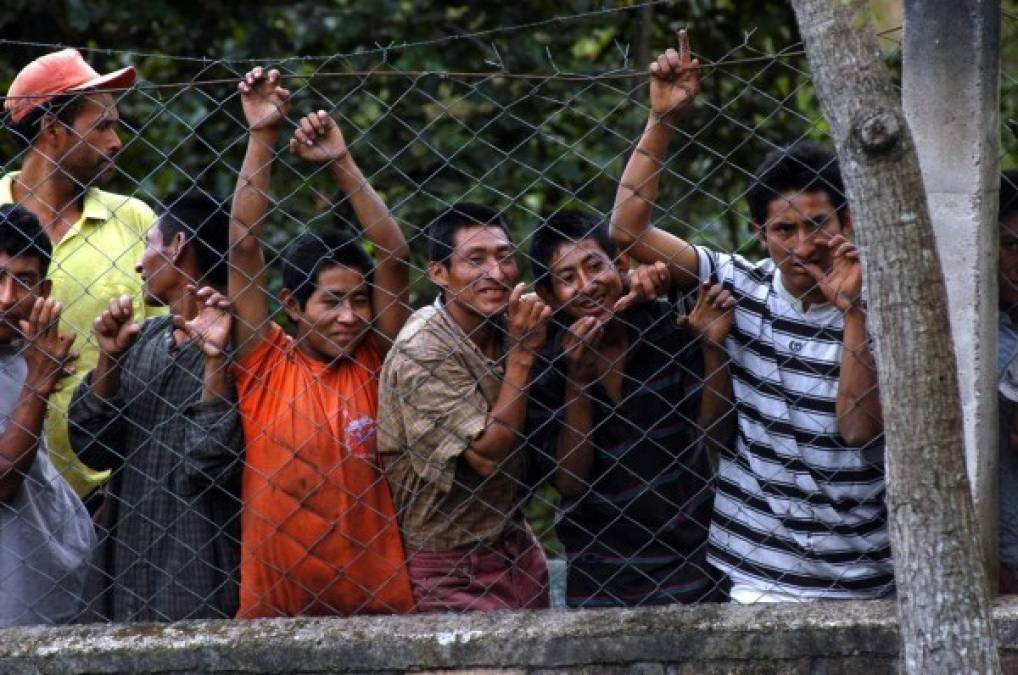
(318, 530)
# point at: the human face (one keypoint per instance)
(157, 266)
(90, 145)
(480, 274)
(584, 281)
(1007, 272)
(21, 282)
(795, 221)
(336, 317)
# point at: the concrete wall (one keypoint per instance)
(817, 639)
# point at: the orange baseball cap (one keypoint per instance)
(58, 73)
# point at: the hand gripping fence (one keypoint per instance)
(338, 400)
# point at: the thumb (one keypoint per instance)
(625, 302)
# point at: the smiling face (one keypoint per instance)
(583, 280)
(21, 282)
(336, 317)
(794, 222)
(481, 272)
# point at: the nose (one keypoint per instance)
(345, 314)
(8, 293)
(114, 144)
(805, 243)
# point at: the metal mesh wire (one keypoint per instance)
(464, 474)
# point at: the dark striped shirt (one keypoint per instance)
(638, 535)
(798, 511)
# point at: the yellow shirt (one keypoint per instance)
(91, 264)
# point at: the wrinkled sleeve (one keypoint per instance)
(213, 445)
(443, 411)
(96, 427)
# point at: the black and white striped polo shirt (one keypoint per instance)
(797, 511)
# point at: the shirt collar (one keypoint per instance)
(797, 304)
(458, 334)
(93, 208)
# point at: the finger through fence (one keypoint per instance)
(353, 340)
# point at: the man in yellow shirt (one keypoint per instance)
(63, 114)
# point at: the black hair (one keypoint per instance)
(1008, 194)
(568, 225)
(205, 224)
(805, 166)
(21, 235)
(442, 230)
(310, 253)
(65, 108)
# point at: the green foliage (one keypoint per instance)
(527, 145)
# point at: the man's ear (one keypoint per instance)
(439, 274)
(51, 130)
(290, 305)
(760, 233)
(177, 245)
(45, 286)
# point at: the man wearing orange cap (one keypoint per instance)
(63, 114)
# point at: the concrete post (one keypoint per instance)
(950, 94)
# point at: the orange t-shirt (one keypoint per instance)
(318, 531)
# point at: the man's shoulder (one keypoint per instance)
(423, 336)
(124, 208)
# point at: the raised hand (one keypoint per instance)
(712, 315)
(841, 284)
(115, 329)
(210, 328)
(264, 101)
(47, 351)
(528, 320)
(579, 349)
(674, 80)
(318, 139)
(646, 283)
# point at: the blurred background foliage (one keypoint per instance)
(529, 146)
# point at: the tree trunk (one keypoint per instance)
(943, 604)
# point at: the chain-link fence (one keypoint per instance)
(307, 382)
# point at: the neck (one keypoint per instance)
(45, 190)
(482, 331)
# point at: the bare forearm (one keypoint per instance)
(575, 454)
(215, 385)
(247, 261)
(390, 292)
(717, 407)
(372, 213)
(106, 377)
(20, 439)
(638, 188)
(631, 228)
(858, 403)
(506, 420)
(251, 198)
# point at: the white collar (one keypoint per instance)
(815, 309)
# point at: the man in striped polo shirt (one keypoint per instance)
(799, 512)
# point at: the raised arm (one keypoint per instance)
(674, 82)
(527, 324)
(265, 105)
(858, 403)
(48, 356)
(711, 320)
(319, 139)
